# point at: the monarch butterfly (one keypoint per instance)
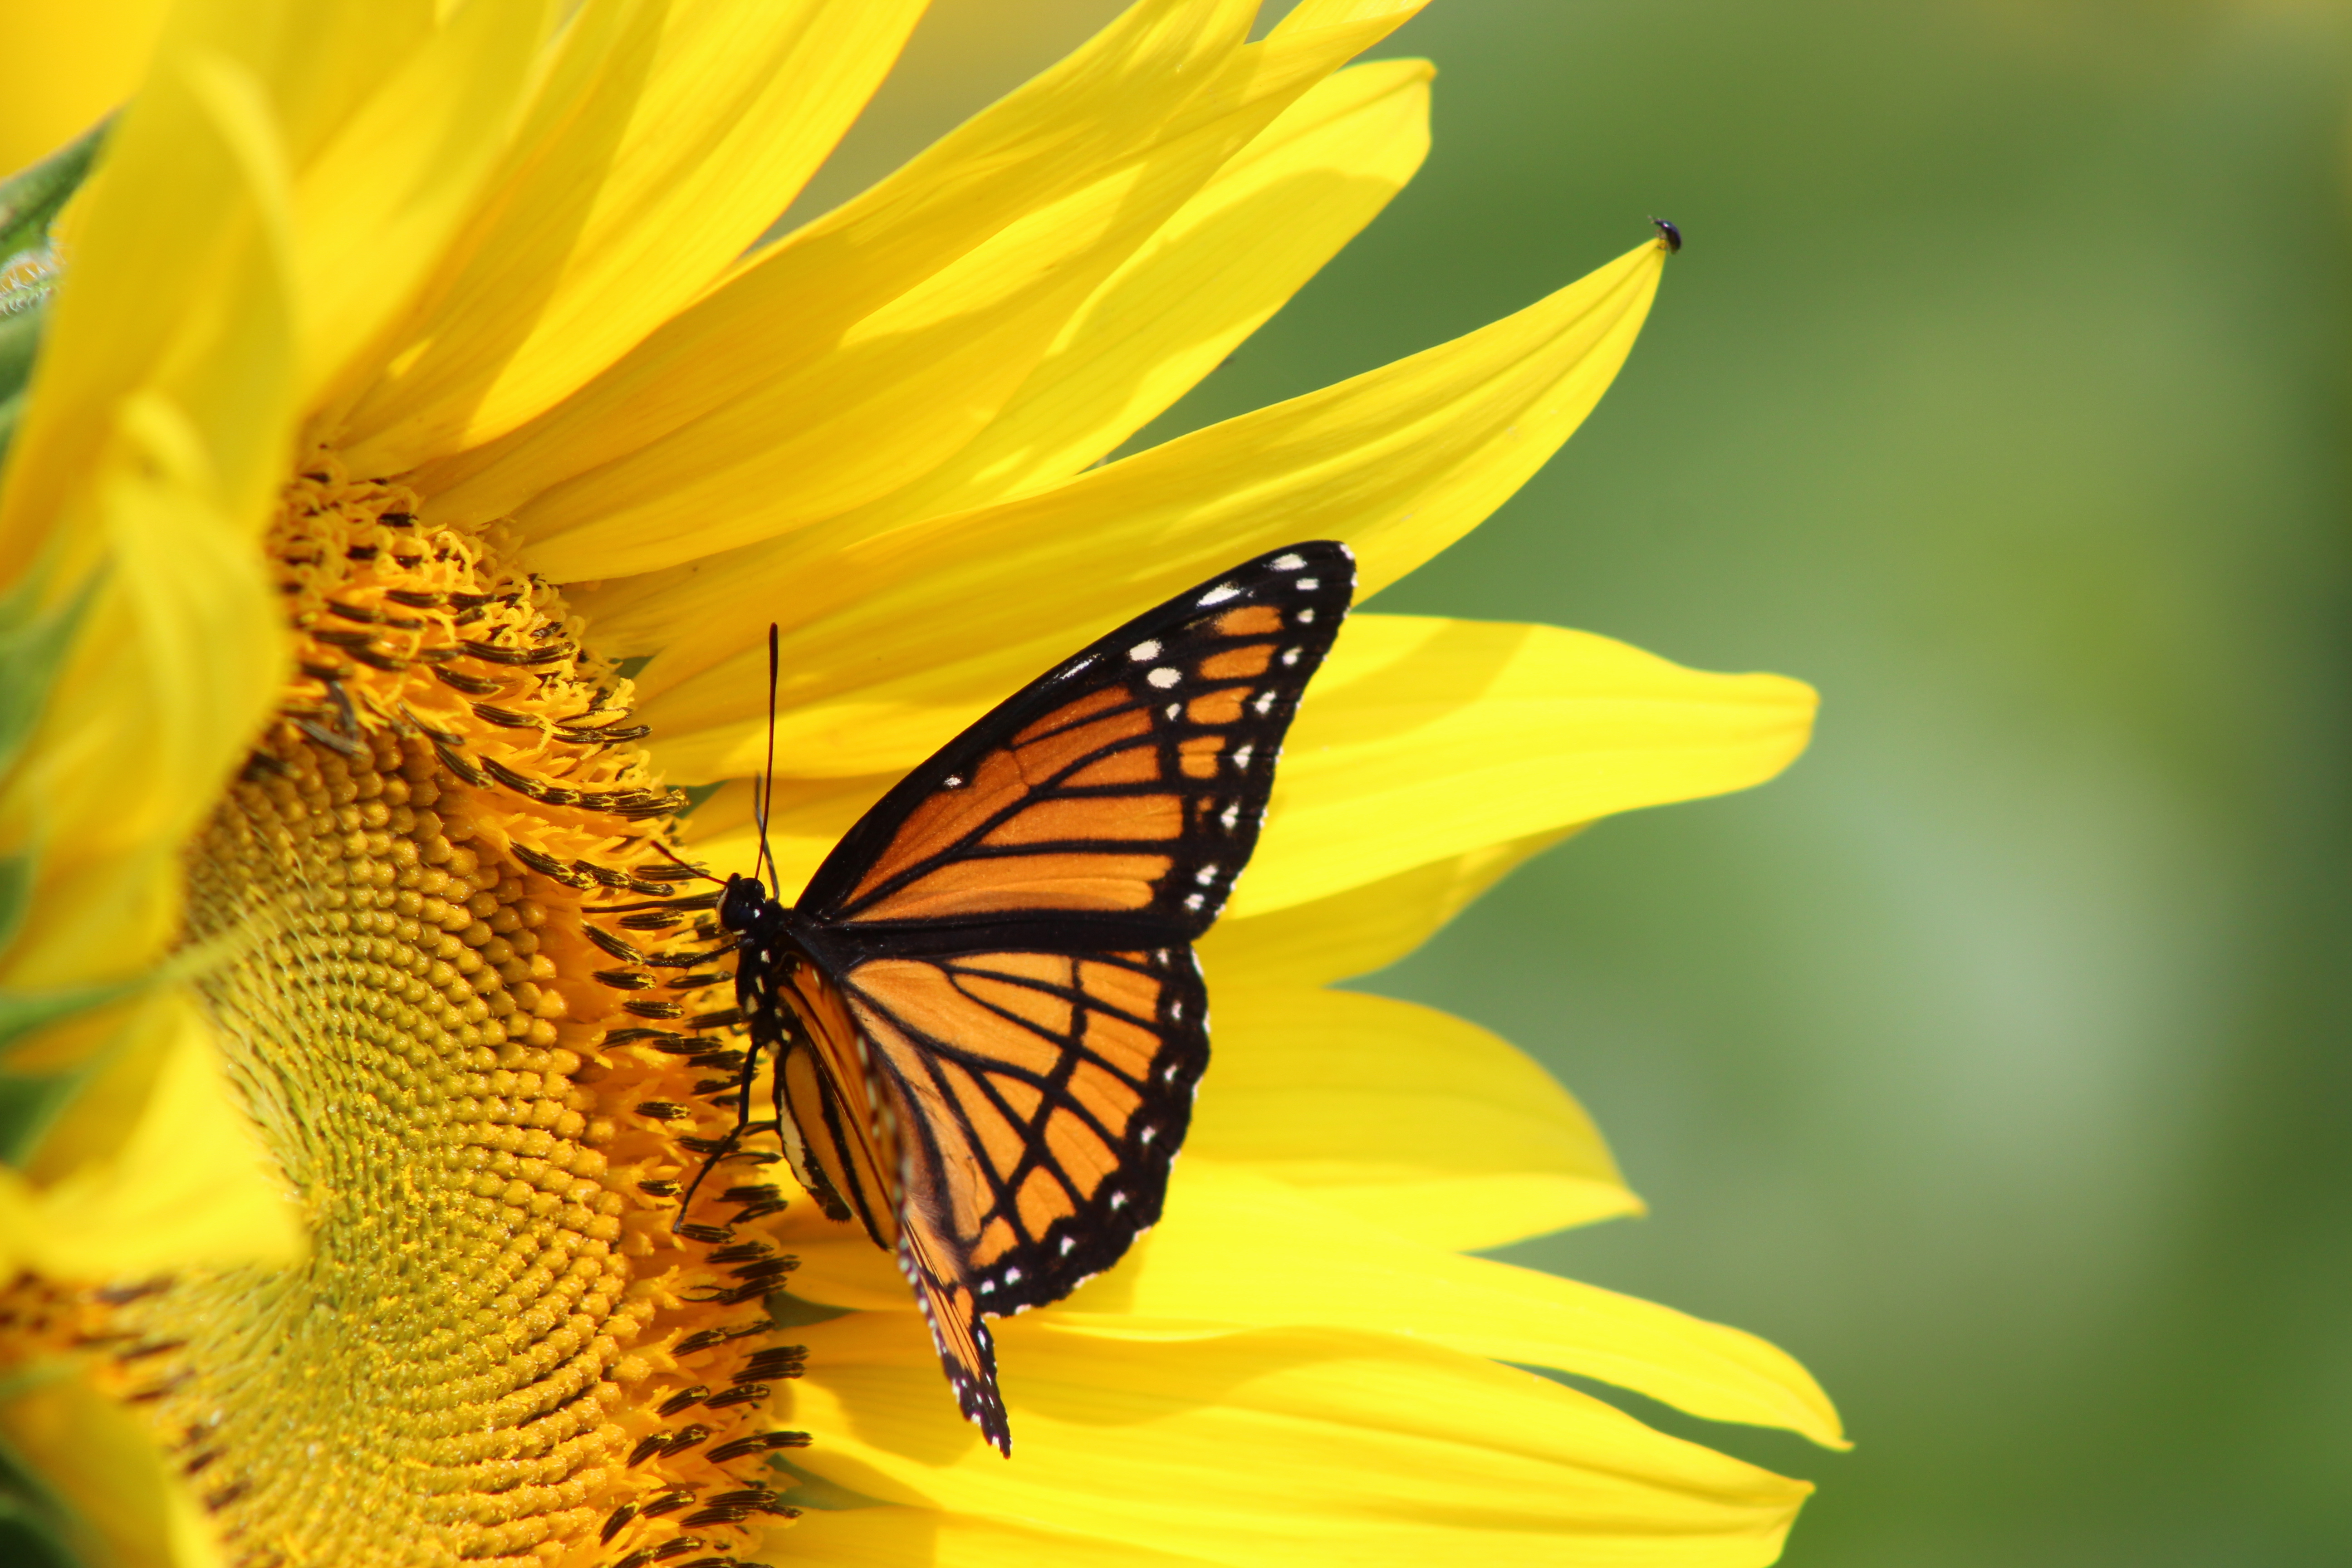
(983, 1017)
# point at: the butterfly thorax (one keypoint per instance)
(769, 933)
(764, 951)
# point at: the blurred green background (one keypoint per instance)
(1995, 1060)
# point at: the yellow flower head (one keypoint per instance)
(419, 447)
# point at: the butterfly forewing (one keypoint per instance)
(996, 1021)
(1125, 788)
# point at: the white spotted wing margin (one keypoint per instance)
(998, 1063)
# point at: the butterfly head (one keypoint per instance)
(744, 903)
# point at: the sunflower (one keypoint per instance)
(420, 442)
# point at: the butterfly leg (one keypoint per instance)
(735, 1134)
(709, 1163)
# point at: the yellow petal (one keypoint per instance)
(808, 819)
(1276, 1448)
(1235, 1247)
(186, 1186)
(1208, 278)
(248, 106)
(1399, 1115)
(87, 1451)
(1363, 929)
(378, 203)
(930, 1538)
(181, 656)
(1092, 112)
(160, 419)
(876, 343)
(655, 161)
(195, 172)
(1424, 738)
(64, 67)
(896, 643)
(317, 62)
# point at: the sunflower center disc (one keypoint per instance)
(475, 1015)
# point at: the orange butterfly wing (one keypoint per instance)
(987, 1017)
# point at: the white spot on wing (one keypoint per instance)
(1288, 562)
(1241, 756)
(1231, 816)
(1195, 902)
(1206, 873)
(1144, 651)
(1307, 584)
(1306, 617)
(953, 781)
(1067, 1243)
(1265, 704)
(1218, 594)
(1163, 677)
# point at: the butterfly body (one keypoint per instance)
(983, 1014)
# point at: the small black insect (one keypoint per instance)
(1670, 234)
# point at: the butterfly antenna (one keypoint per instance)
(670, 855)
(767, 791)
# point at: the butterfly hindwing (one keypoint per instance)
(840, 1147)
(1052, 1089)
(967, 1351)
(862, 1144)
(987, 1020)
